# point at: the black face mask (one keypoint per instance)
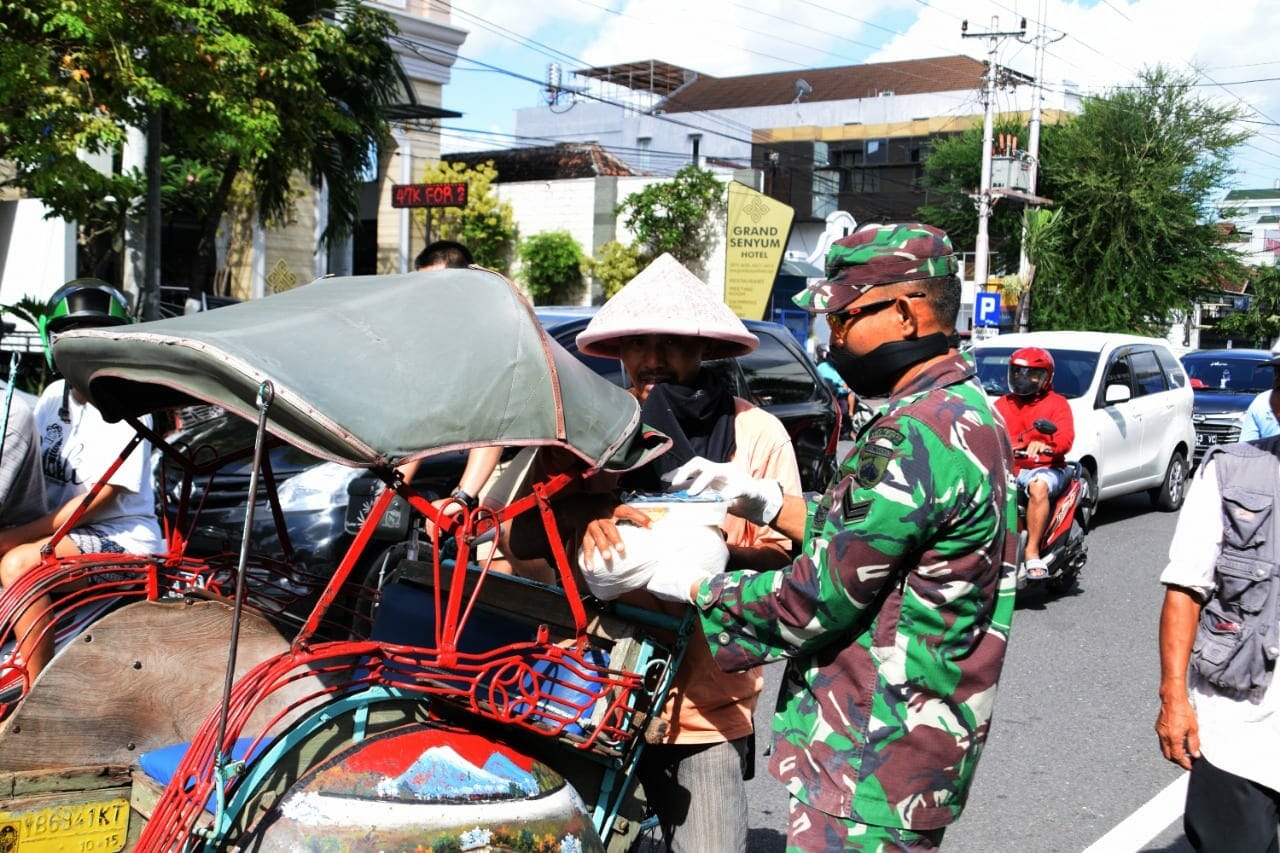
(873, 374)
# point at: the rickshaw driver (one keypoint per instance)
(76, 446)
(663, 325)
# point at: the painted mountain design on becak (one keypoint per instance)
(441, 774)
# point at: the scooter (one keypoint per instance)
(1062, 546)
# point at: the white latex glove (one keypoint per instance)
(758, 501)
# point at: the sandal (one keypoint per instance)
(1036, 569)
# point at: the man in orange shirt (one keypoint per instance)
(1041, 465)
(663, 325)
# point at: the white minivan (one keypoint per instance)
(1131, 402)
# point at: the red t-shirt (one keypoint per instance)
(1020, 413)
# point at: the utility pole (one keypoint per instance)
(981, 249)
(1033, 150)
(149, 294)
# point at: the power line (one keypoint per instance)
(728, 129)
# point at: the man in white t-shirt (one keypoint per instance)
(77, 448)
(21, 483)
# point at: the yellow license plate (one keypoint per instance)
(93, 826)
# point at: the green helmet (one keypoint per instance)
(82, 303)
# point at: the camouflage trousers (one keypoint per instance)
(813, 831)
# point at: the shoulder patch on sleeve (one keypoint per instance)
(888, 434)
(873, 460)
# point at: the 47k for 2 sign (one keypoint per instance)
(429, 195)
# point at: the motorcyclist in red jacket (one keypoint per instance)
(1041, 469)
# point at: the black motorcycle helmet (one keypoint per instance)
(81, 304)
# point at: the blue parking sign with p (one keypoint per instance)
(986, 309)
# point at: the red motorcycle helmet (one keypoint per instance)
(1030, 372)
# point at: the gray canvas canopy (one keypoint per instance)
(369, 370)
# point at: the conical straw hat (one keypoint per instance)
(666, 299)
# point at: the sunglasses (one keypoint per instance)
(839, 318)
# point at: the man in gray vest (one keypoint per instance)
(1219, 640)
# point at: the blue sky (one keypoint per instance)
(1103, 43)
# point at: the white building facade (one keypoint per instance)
(1255, 217)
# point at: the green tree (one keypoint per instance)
(1136, 175)
(682, 216)
(486, 225)
(614, 265)
(1260, 324)
(552, 266)
(272, 90)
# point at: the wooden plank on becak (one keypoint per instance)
(142, 677)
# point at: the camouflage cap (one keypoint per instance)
(875, 255)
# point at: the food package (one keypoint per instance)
(690, 548)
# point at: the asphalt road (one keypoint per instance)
(1072, 753)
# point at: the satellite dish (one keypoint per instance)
(802, 88)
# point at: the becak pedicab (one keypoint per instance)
(477, 711)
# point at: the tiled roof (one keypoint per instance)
(850, 82)
(1252, 195)
(546, 162)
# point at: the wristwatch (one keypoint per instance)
(467, 500)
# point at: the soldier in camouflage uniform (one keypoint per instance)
(896, 615)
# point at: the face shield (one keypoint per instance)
(1026, 381)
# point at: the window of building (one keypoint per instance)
(642, 150)
(826, 189)
(862, 180)
(695, 147)
(371, 169)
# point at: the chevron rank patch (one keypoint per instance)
(856, 512)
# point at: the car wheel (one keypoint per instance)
(1173, 490)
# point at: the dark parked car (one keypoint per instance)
(778, 376)
(1224, 382)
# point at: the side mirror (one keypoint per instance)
(1117, 394)
(1045, 426)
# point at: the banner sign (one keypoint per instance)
(755, 242)
(429, 195)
